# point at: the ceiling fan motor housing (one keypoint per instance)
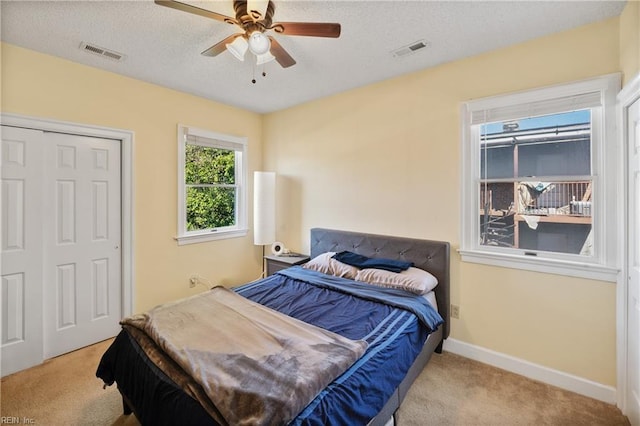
(251, 21)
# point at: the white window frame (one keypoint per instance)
(606, 168)
(215, 140)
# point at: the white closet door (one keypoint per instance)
(633, 296)
(21, 296)
(82, 255)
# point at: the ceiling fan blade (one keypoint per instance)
(257, 8)
(220, 46)
(312, 29)
(196, 10)
(283, 58)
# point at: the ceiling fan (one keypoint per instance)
(255, 18)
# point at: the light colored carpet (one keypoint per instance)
(451, 391)
(64, 391)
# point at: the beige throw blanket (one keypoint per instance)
(257, 366)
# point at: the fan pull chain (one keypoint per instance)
(264, 73)
(253, 80)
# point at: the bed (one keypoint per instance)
(397, 343)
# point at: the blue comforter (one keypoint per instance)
(395, 324)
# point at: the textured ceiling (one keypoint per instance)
(163, 45)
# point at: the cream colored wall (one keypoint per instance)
(44, 86)
(385, 158)
(630, 40)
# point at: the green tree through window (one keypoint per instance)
(211, 190)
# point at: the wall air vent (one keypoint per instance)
(410, 49)
(101, 51)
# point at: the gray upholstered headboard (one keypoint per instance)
(432, 256)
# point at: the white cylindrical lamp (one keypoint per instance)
(264, 208)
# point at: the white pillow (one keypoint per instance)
(327, 265)
(414, 280)
(320, 263)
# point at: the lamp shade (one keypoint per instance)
(264, 208)
(238, 47)
(259, 44)
(264, 58)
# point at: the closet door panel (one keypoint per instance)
(21, 341)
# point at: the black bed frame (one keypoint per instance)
(432, 256)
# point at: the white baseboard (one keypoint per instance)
(533, 371)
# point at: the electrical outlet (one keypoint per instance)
(193, 280)
(455, 311)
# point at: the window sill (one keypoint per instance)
(210, 236)
(545, 265)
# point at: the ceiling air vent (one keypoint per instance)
(101, 51)
(410, 49)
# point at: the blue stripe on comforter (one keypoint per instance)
(394, 333)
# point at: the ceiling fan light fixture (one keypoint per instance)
(259, 44)
(254, 17)
(238, 47)
(264, 58)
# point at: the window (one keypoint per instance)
(539, 180)
(211, 191)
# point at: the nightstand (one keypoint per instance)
(277, 263)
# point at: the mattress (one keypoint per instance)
(394, 330)
(395, 336)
